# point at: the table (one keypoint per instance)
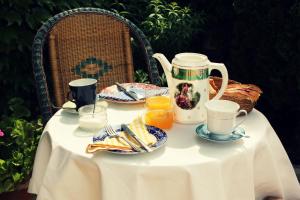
(185, 168)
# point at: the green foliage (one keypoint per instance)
(17, 146)
(170, 27)
(163, 80)
(140, 76)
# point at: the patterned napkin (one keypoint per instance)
(137, 126)
(117, 95)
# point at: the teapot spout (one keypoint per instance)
(166, 65)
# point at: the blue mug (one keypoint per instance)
(82, 91)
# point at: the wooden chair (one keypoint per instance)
(85, 43)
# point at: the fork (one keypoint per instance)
(112, 133)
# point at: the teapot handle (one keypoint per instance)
(221, 67)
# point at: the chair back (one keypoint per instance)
(85, 43)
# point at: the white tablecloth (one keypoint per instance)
(185, 168)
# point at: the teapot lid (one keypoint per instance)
(190, 60)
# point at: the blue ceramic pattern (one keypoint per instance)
(203, 133)
(161, 138)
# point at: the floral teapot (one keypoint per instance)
(188, 82)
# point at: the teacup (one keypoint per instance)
(82, 91)
(221, 116)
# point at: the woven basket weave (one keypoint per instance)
(246, 95)
(98, 41)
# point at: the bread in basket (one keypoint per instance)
(246, 95)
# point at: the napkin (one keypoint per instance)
(117, 95)
(137, 126)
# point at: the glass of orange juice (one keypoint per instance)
(159, 112)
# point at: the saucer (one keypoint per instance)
(69, 107)
(204, 133)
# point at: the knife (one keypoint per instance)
(128, 93)
(132, 134)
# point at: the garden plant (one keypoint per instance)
(18, 141)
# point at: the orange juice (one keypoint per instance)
(159, 112)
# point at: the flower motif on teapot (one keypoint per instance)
(185, 97)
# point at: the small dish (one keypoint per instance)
(159, 134)
(70, 107)
(112, 93)
(204, 133)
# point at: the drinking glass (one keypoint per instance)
(92, 117)
(159, 112)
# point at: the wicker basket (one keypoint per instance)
(246, 95)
